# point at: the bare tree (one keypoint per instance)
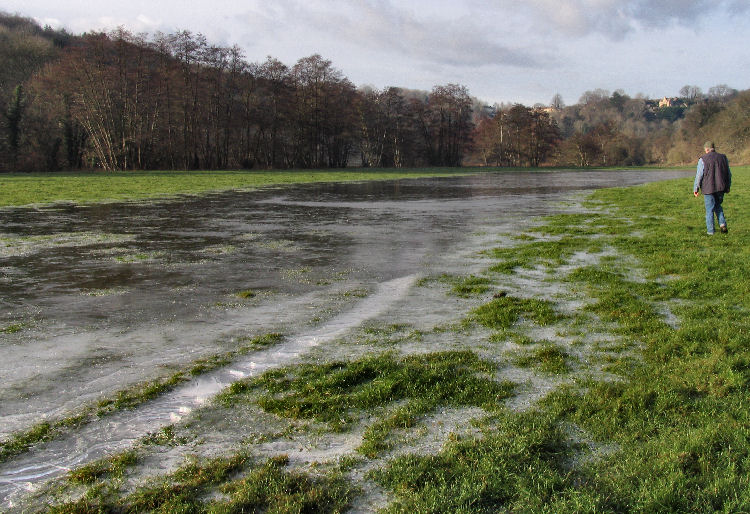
(691, 94)
(721, 92)
(446, 124)
(324, 114)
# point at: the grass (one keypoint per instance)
(12, 328)
(680, 418)
(18, 189)
(143, 392)
(400, 389)
(21, 441)
(374, 335)
(517, 465)
(553, 252)
(677, 424)
(244, 484)
(548, 358)
(166, 436)
(463, 287)
(669, 433)
(110, 467)
(504, 311)
(139, 257)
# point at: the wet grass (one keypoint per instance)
(680, 417)
(338, 393)
(355, 293)
(374, 335)
(129, 398)
(143, 392)
(677, 424)
(503, 312)
(12, 328)
(18, 189)
(139, 257)
(516, 465)
(112, 467)
(552, 252)
(236, 483)
(399, 391)
(146, 391)
(21, 441)
(547, 358)
(166, 436)
(463, 287)
(669, 433)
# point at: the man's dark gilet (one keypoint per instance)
(715, 173)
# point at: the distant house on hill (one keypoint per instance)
(671, 102)
(667, 102)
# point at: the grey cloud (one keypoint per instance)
(654, 14)
(615, 18)
(379, 24)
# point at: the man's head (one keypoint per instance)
(709, 146)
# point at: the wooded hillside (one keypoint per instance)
(120, 101)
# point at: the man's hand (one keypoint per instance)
(695, 193)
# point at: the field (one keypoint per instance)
(602, 363)
(42, 188)
(84, 187)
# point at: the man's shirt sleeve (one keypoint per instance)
(698, 176)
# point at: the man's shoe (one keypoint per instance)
(723, 229)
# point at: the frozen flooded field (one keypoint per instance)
(96, 299)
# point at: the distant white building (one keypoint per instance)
(668, 102)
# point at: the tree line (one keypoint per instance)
(124, 101)
(616, 129)
(121, 101)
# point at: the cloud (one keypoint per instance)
(614, 18)
(137, 24)
(55, 23)
(383, 25)
(582, 17)
(654, 13)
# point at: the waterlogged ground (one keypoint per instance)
(99, 302)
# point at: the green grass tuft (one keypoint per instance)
(503, 312)
(547, 358)
(12, 328)
(335, 393)
(518, 465)
(112, 467)
(245, 486)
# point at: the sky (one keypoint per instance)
(503, 51)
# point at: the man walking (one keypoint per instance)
(713, 178)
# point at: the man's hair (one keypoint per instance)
(708, 144)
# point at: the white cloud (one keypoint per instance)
(50, 22)
(147, 24)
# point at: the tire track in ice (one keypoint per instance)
(121, 430)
